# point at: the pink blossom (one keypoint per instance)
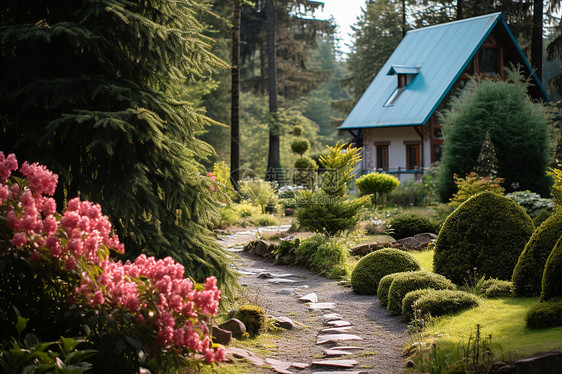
(7, 165)
(4, 194)
(42, 180)
(35, 256)
(19, 239)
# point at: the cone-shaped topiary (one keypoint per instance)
(411, 281)
(551, 278)
(527, 275)
(371, 268)
(487, 232)
(253, 317)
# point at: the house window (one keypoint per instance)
(488, 61)
(382, 155)
(412, 155)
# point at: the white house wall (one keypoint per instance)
(396, 136)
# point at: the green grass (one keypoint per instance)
(504, 319)
(425, 258)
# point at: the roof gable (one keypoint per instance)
(436, 55)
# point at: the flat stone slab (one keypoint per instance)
(337, 330)
(341, 372)
(234, 249)
(309, 298)
(285, 323)
(336, 352)
(282, 280)
(337, 363)
(339, 323)
(242, 353)
(348, 347)
(321, 339)
(254, 270)
(242, 272)
(286, 291)
(321, 306)
(331, 317)
(283, 366)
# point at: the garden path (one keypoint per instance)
(383, 337)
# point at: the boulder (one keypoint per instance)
(285, 323)
(221, 336)
(426, 238)
(235, 326)
(410, 243)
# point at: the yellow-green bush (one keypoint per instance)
(371, 268)
(253, 317)
(552, 276)
(487, 232)
(437, 303)
(384, 286)
(545, 315)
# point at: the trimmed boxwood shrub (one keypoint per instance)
(545, 315)
(384, 286)
(552, 279)
(410, 298)
(444, 302)
(253, 317)
(527, 275)
(411, 281)
(487, 232)
(371, 268)
(496, 288)
(405, 225)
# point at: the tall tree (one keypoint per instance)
(235, 98)
(93, 90)
(537, 37)
(273, 156)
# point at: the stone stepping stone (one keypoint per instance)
(336, 352)
(242, 272)
(254, 270)
(321, 306)
(286, 291)
(234, 249)
(348, 347)
(321, 339)
(310, 298)
(242, 353)
(331, 317)
(268, 275)
(337, 330)
(341, 372)
(337, 363)
(339, 323)
(282, 280)
(283, 366)
(285, 323)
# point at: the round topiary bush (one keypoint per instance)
(444, 302)
(376, 184)
(487, 232)
(371, 268)
(496, 288)
(527, 275)
(384, 286)
(305, 163)
(411, 298)
(405, 225)
(300, 146)
(411, 281)
(253, 317)
(545, 315)
(552, 279)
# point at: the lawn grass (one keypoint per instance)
(504, 319)
(425, 258)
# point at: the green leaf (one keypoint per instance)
(21, 322)
(68, 344)
(135, 343)
(31, 341)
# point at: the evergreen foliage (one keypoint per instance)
(551, 279)
(487, 232)
(473, 184)
(111, 109)
(437, 303)
(409, 224)
(495, 288)
(545, 315)
(377, 184)
(517, 127)
(487, 162)
(253, 317)
(411, 281)
(371, 268)
(384, 287)
(527, 275)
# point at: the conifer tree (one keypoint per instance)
(93, 89)
(487, 162)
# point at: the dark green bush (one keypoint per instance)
(384, 286)
(527, 275)
(410, 298)
(253, 317)
(487, 232)
(552, 278)
(541, 216)
(444, 302)
(305, 163)
(300, 146)
(495, 288)
(411, 281)
(545, 315)
(405, 225)
(323, 254)
(408, 193)
(371, 268)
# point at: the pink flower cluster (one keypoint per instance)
(154, 291)
(214, 179)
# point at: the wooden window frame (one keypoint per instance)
(378, 147)
(413, 144)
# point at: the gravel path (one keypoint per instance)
(383, 336)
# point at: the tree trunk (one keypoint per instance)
(235, 98)
(459, 9)
(273, 160)
(403, 18)
(536, 38)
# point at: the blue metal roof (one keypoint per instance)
(440, 53)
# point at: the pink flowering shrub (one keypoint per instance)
(170, 313)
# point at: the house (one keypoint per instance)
(395, 119)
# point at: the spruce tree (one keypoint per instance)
(103, 93)
(487, 162)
